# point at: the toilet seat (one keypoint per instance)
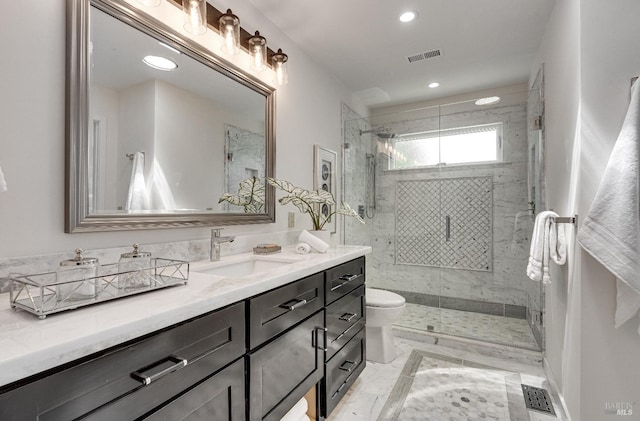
(384, 299)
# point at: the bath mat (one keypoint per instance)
(434, 387)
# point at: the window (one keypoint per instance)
(460, 145)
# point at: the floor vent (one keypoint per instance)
(423, 56)
(537, 399)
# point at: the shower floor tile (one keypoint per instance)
(497, 329)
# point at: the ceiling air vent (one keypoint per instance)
(423, 56)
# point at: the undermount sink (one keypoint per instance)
(243, 267)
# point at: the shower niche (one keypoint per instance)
(447, 192)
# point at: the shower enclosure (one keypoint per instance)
(448, 193)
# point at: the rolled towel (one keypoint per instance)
(298, 410)
(303, 248)
(315, 243)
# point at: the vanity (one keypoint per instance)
(243, 348)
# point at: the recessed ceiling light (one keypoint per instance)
(167, 46)
(488, 100)
(408, 16)
(160, 63)
(433, 85)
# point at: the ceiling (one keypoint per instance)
(484, 43)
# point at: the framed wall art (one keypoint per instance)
(325, 178)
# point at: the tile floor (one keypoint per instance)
(367, 397)
(494, 329)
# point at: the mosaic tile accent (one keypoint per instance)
(495, 329)
(438, 387)
(422, 209)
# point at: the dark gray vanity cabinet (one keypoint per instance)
(345, 322)
(135, 380)
(287, 340)
(252, 360)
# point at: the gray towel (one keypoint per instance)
(611, 230)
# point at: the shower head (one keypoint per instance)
(382, 133)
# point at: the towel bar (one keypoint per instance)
(567, 220)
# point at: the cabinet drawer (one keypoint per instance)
(275, 311)
(342, 370)
(344, 278)
(220, 397)
(282, 372)
(345, 317)
(206, 344)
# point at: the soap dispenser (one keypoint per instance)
(76, 278)
(135, 270)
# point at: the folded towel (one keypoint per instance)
(611, 230)
(547, 241)
(303, 248)
(304, 417)
(3, 182)
(297, 412)
(137, 196)
(315, 243)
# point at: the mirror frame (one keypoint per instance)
(77, 217)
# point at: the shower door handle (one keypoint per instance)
(447, 228)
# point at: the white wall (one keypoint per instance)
(559, 52)
(590, 54)
(609, 58)
(32, 118)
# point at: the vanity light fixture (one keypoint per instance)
(408, 16)
(433, 85)
(488, 100)
(149, 3)
(160, 63)
(258, 51)
(195, 16)
(279, 61)
(230, 32)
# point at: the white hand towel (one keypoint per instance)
(315, 243)
(303, 248)
(304, 417)
(3, 182)
(298, 410)
(547, 241)
(611, 230)
(137, 196)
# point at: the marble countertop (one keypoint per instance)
(29, 345)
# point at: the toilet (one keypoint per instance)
(383, 308)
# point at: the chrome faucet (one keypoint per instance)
(216, 240)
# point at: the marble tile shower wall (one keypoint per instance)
(507, 283)
(192, 251)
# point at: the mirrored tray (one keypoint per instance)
(47, 293)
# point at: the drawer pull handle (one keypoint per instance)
(293, 304)
(346, 279)
(347, 366)
(324, 338)
(344, 333)
(347, 317)
(146, 378)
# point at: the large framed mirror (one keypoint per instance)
(152, 148)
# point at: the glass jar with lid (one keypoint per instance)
(135, 270)
(76, 278)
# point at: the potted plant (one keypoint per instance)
(311, 203)
(250, 196)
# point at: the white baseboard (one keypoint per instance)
(555, 390)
